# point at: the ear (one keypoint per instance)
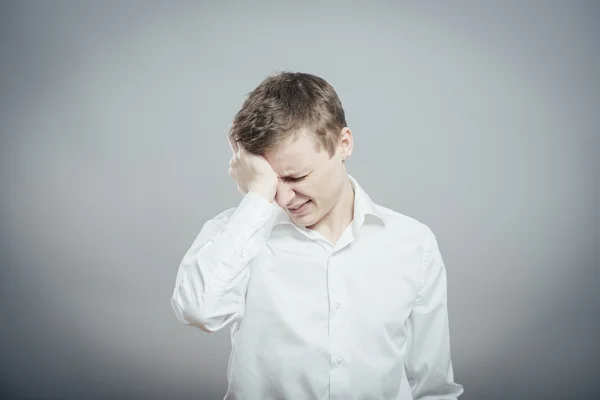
(345, 143)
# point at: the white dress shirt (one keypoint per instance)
(364, 318)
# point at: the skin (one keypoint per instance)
(300, 170)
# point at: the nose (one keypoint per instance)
(284, 194)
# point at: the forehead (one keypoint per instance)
(299, 153)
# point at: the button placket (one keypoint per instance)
(336, 291)
(334, 254)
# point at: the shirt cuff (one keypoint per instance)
(253, 212)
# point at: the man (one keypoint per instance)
(327, 294)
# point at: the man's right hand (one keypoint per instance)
(251, 172)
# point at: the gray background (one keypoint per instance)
(477, 118)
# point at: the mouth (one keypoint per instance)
(299, 209)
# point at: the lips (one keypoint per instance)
(297, 206)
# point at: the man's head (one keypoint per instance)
(297, 123)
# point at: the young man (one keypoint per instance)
(327, 295)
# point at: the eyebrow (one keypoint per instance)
(294, 175)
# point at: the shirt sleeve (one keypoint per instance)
(428, 363)
(212, 278)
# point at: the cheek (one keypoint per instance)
(325, 191)
(308, 191)
(323, 188)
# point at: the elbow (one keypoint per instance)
(195, 313)
(190, 314)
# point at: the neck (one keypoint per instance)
(333, 224)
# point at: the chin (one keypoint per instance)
(309, 221)
(304, 220)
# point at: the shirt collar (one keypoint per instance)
(364, 208)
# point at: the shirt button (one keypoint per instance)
(263, 214)
(243, 253)
(340, 360)
(337, 305)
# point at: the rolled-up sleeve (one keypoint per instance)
(428, 363)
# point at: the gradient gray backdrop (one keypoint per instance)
(478, 118)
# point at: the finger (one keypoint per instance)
(241, 151)
(233, 145)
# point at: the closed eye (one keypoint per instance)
(294, 179)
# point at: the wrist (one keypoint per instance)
(265, 191)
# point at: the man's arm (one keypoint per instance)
(212, 279)
(213, 276)
(428, 364)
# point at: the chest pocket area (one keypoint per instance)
(391, 287)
